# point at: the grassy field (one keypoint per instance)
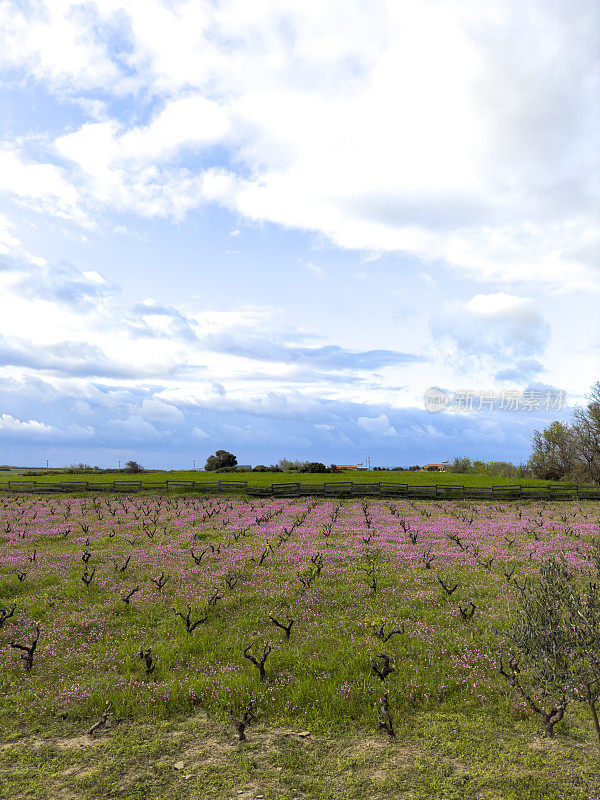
(346, 574)
(267, 478)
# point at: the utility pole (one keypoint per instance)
(46, 463)
(194, 465)
(119, 466)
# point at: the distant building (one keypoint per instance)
(346, 466)
(435, 467)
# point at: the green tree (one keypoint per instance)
(586, 436)
(314, 466)
(133, 466)
(553, 453)
(461, 464)
(220, 460)
(555, 643)
(287, 465)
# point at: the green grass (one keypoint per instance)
(260, 479)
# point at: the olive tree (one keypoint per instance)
(554, 643)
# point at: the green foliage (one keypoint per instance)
(540, 629)
(552, 456)
(133, 466)
(314, 466)
(287, 465)
(586, 437)
(220, 460)
(556, 635)
(496, 469)
(570, 451)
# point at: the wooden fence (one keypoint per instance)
(439, 491)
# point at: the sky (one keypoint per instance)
(282, 227)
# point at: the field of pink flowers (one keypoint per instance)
(157, 604)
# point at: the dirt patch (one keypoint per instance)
(372, 748)
(544, 745)
(72, 743)
(212, 750)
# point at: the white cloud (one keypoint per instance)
(134, 428)
(314, 268)
(158, 411)
(100, 148)
(500, 325)
(58, 43)
(199, 433)
(93, 277)
(498, 304)
(8, 242)
(81, 407)
(42, 186)
(380, 426)
(461, 148)
(32, 427)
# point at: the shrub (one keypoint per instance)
(133, 466)
(314, 466)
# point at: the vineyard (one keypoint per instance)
(284, 648)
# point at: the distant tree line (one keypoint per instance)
(223, 461)
(494, 469)
(562, 451)
(85, 469)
